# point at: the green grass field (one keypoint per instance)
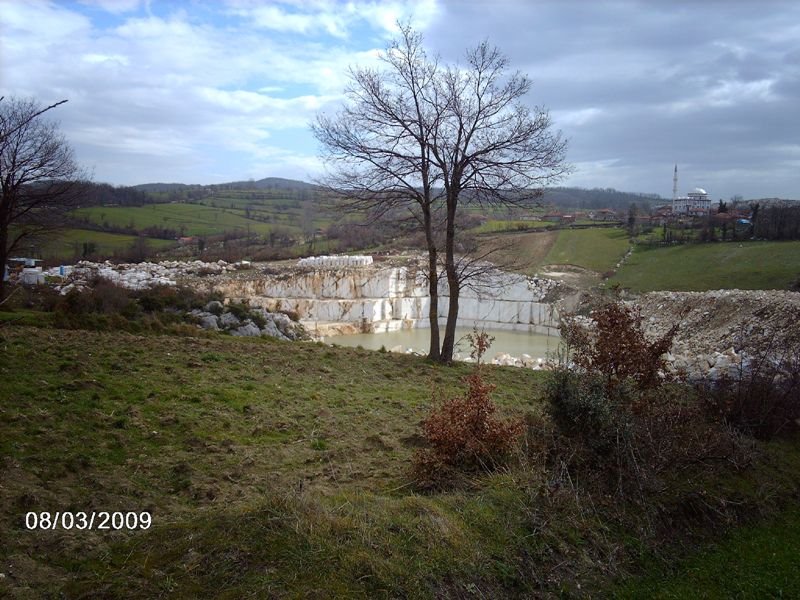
(69, 243)
(697, 267)
(595, 249)
(755, 562)
(187, 219)
(495, 225)
(274, 469)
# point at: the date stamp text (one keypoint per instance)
(93, 520)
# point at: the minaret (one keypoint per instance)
(674, 187)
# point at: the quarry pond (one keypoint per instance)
(511, 343)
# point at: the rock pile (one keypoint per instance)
(722, 332)
(334, 262)
(137, 276)
(258, 322)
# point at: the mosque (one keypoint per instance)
(695, 202)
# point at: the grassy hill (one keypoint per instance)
(188, 219)
(593, 249)
(69, 243)
(697, 267)
(282, 470)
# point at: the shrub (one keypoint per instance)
(617, 348)
(463, 433)
(618, 415)
(105, 297)
(240, 310)
(633, 436)
(763, 398)
(259, 319)
(157, 298)
(760, 396)
(579, 407)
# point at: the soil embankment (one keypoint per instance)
(719, 329)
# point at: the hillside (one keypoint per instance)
(751, 265)
(278, 470)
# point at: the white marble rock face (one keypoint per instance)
(392, 298)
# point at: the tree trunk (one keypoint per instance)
(453, 285)
(3, 259)
(433, 287)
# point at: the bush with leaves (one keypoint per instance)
(463, 434)
(618, 415)
(617, 348)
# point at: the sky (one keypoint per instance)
(197, 91)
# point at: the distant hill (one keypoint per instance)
(163, 187)
(571, 197)
(268, 183)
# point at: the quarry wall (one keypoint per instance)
(331, 298)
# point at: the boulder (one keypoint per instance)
(272, 331)
(229, 320)
(209, 321)
(214, 307)
(248, 329)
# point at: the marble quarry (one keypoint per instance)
(350, 295)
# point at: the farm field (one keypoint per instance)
(698, 267)
(496, 225)
(521, 252)
(69, 243)
(186, 219)
(594, 249)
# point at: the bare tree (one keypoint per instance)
(39, 178)
(378, 146)
(490, 148)
(424, 136)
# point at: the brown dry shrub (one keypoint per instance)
(463, 434)
(617, 347)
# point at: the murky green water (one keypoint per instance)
(510, 342)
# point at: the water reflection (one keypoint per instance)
(509, 342)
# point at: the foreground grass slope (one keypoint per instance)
(758, 561)
(281, 470)
(698, 267)
(236, 446)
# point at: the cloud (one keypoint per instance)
(208, 88)
(116, 6)
(337, 19)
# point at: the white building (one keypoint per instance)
(695, 202)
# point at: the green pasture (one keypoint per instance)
(187, 219)
(755, 562)
(594, 249)
(497, 225)
(69, 243)
(718, 265)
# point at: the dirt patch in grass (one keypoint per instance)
(520, 252)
